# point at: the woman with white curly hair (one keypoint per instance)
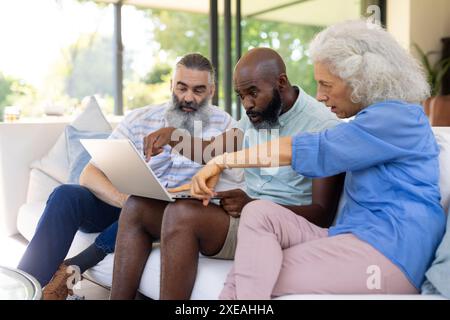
(391, 223)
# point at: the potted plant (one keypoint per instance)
(437, 107)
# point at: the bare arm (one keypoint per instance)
(275, 153)
(96, 181)
(325, 198)
(190, 147)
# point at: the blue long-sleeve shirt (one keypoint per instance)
(392, 183)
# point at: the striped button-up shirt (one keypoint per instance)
(171, 168)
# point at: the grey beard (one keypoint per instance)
(266, 124)
(177, 118)
(269, 123)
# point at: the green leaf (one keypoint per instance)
(435, 73)
(424, 58)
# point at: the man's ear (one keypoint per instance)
(282, 81)
(212, 90)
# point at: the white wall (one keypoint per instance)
(398, 20)
(430, 22)
(423, 22)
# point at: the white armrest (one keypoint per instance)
(20, 144)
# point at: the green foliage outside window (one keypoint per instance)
(86, 66)
(181, 32)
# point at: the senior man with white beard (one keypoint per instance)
(95, 205)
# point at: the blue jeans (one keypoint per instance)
(69, 208)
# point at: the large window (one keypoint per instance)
(55, 52)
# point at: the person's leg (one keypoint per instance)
(70, 271)
(341, 264)
(139, 225)
(188, 228)
(265, 230)
(68, 208)
(96, 252)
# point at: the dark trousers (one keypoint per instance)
(69, 208)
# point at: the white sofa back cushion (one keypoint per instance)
(40, 186)
(56, 163)
(442, 135)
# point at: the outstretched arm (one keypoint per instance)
(193, 148)
(275, 153)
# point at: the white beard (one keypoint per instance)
(177, 118)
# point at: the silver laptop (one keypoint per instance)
(126, 169)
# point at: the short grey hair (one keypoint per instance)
(371, 62)
(196, 61)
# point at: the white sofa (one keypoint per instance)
(20, 210)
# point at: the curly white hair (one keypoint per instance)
(371, 62)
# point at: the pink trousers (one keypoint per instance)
(280, 253)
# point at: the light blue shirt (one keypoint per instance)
(391, 188)
(283, 185)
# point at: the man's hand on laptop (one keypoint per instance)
(155, 141)
(203, 183)
(232, 201)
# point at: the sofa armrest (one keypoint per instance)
(20, 144)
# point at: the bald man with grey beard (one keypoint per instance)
(188, 227)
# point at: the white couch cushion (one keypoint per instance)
(211, 276)
(28, 218)
(56, 163)
(443, 140)
(40, 186)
